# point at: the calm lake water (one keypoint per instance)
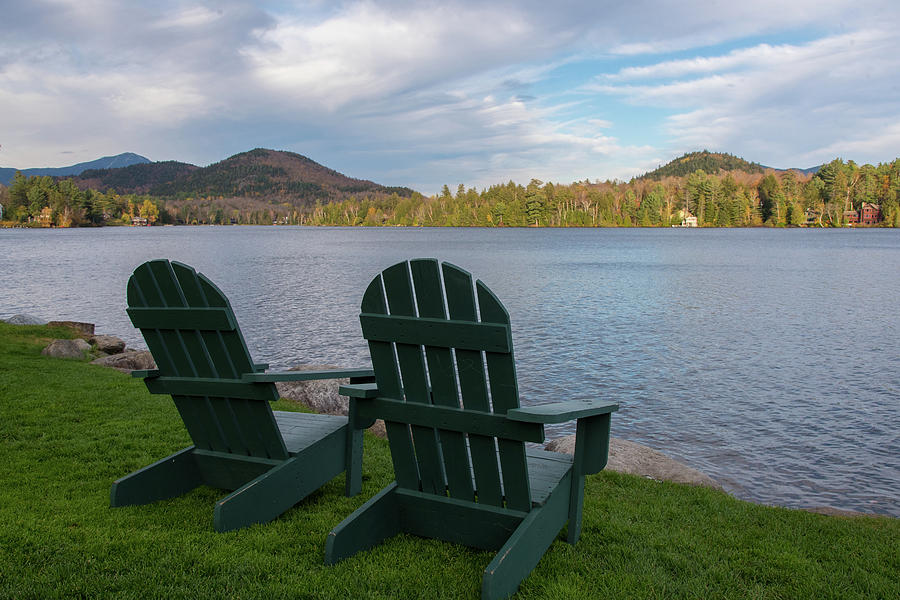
(768, 359)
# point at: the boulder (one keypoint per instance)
(637, 459)
(108, 344)
(76, 348)
(85, 330)
(133, 360)
(25, 319)
(322, 395)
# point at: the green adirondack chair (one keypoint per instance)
(463, 472)
(271, 460)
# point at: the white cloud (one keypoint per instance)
(776, 104)
(426, 93)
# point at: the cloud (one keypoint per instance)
(426, 93)
(776, 104)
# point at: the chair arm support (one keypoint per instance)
(308, 375)
(145, 373)
(560, 412)
(359, 390)
(592, 443)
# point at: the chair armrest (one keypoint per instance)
(145, 373)
(307, 375)
(560, 412)
(359, 390)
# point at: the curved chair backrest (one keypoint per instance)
(440, 340)
(201, 355)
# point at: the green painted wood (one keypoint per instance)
(451, 419)
(525, 547)
(545, 470)
(145, 373)
(273, 461)
(359, 390)
(411, 362)
(307, 375)
(436, 332)
(560, 412)
(430, 296)
(592, 436)
(469, 398)
(200, 318)
(281, 487)
(387, 380)
(167, 478)
(505, 396)
(209, 386)
(473, 387)
(369, 525)
(576, 505)
(458, 521)
(229, 471)
(204, 431)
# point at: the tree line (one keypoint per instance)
(724, 199)
(45, 201)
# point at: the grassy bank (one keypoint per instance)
(68, 429)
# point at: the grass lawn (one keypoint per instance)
(68, 429)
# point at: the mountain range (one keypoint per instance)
(264, 176)
(107, 162)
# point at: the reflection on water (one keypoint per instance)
(765, 358)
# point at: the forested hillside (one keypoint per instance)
(709, 162)
(730, 199)
(136, 179)
(272, 191)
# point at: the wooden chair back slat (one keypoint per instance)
(505, 396)
(430, 296)
(210, 347)
(387, 378)
(473, 386)
(411, 361)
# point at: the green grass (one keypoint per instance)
(68, 429)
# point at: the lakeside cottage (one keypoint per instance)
(868, 214)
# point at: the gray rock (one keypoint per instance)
(83, 329)
(133, 360)
(322, 395)
(636, 459)
(76, 348)
(25, 319)
(108, 344)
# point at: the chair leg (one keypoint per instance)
(166, 478)
(353, 483)
(576, 504)
(528, 543)
(367, 526)
(278, 489)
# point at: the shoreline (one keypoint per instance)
(321, 396)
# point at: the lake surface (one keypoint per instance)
(768, 359)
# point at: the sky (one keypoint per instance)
(423, 94)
